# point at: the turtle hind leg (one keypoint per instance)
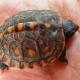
(63, 58)
(3, 66)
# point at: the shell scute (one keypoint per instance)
(34, 38)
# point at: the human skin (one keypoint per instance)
(56, 70)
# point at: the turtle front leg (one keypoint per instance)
(3, 66)
(63, 58)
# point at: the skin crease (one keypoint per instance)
(56, 70)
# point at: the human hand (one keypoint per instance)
(56, 70)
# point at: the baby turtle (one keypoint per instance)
(34, 38)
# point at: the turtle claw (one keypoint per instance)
(65, 61)
(3, 66)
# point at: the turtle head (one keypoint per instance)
(69, 28)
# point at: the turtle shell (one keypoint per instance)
(31, 38)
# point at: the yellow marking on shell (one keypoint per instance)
(43, 63)
(17, 51)
(31, 52)
(20, 27)
(46, 49)
(36, 65)
(47, 24)
(32, 25)
(26, 65)
(1, 34)
(5, 46)
(10, 29)
(17, 65)
(1, 55)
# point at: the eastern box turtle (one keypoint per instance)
(34, 38)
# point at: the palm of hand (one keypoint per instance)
(57, 70)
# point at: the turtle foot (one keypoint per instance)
(3, 66)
